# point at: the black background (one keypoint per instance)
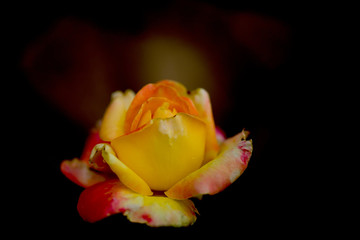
(271, 195)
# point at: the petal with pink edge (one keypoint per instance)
(112, 197)
(217, 174)
(79, 172)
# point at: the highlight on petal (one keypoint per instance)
(78, 171)
(112, 197)
(217, 174)
(112, 125)
(165, 151)
(125, 174)
(201, 99)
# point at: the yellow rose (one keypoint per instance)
(159, 134)
(162, 139)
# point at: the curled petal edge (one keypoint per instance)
(124, 173)
(217, 174)
(112, 197)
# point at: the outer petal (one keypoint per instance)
(111, 197)
(112, 125)
(219, 173)
(201, 99)
(79, 172)
(125, 174)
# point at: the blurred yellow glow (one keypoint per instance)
(165, 57)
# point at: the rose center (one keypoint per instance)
(161, 112)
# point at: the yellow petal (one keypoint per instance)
(165, 151)
(163, 111)
(112, 125)
(201, 99)
(125, 174)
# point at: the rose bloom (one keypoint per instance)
(152, 152)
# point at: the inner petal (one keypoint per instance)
(159, 107)
(171, 149)
(161, 90)
(164, 112)
(145, 118)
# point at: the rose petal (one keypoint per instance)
(165, 151)
(79, 172)
(201, 99)
(152, 104)
(111, 197)
(181, 89)
(217, 174)
(125, 174)
(112, 125)
(157, 90)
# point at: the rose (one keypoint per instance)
(162, 139)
